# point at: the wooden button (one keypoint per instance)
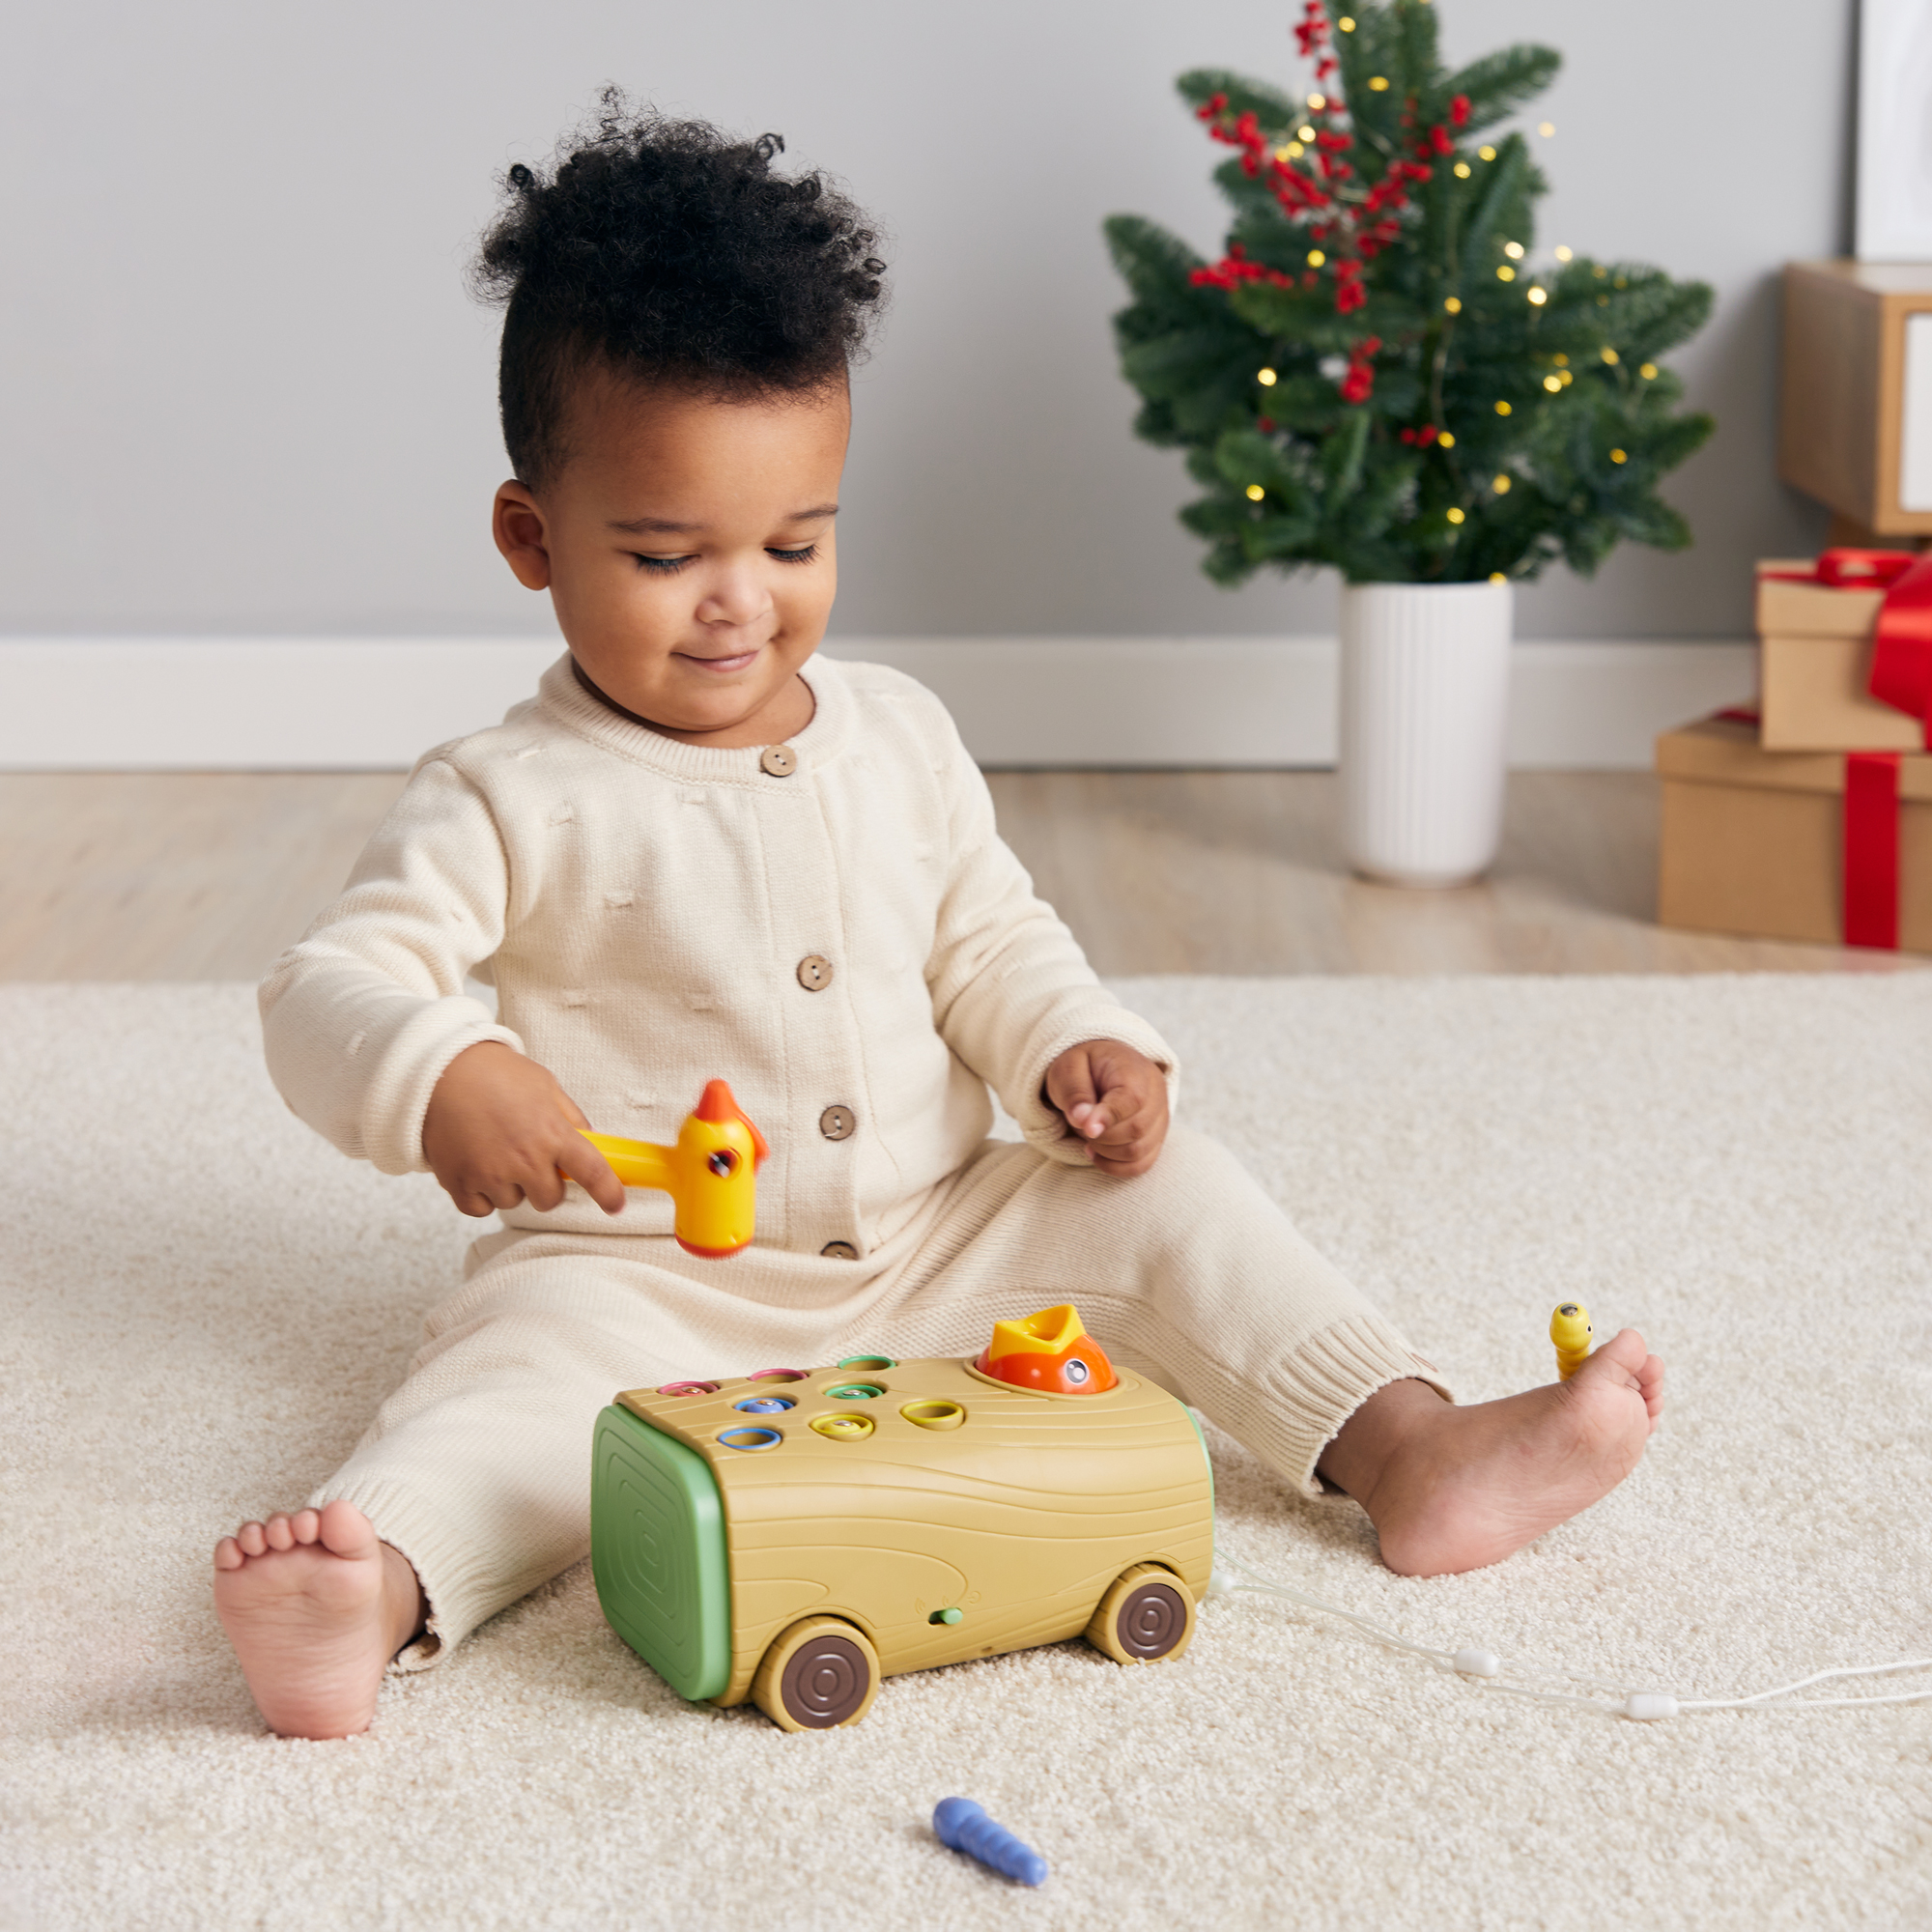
(837, 1123)
(840, 1251)
(814, 973)
(781, 760)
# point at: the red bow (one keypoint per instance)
(1901, 670)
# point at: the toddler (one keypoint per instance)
(702, 850)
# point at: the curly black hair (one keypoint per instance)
(668, 252)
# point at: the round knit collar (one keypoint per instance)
(561, 697)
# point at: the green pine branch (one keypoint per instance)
(1516, 414)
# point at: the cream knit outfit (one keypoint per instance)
(643, 908)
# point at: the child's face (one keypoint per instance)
(687, 548)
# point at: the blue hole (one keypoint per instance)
(750, 1438)
(765, 1405)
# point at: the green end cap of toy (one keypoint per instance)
(656, 1554)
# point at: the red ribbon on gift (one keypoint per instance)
(1868, 901)
(1872, 849)
(1901, 670)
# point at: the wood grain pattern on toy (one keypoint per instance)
(1020, 1519)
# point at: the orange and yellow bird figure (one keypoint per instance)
(1050, 1352)
(711, 1173)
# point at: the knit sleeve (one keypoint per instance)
(1011, 989)
(362, 1015)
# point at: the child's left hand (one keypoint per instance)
(1113, 1097)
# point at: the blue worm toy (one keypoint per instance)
(966, 1827)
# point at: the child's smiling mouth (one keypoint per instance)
(737, 660)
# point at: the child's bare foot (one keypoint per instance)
(315, 1606)
(1454, 1488)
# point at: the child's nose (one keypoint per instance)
(735, 599)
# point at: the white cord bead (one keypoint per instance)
(1648, 1704)
(1476, 1662)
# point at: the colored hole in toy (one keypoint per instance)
(953, 1615)
(777, 1376)
(722, 1162)
(854, 1392)
(750, 1438)
(843, 1427)
(875, 1362)
(689, 1388)
(765, 1405)
(934, 1414)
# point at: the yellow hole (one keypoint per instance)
(1619, 456)
(1267, 377)
(1553, 384)
(1485, 152)
(1514, 250)
(1538, 296)
(1505, 273)
(1447, 440)
(843, 1427)
(934, 1414)
(1454, 304)
(1461, 171)
(1502, 408)
(1648, 371)
(1315, 258)
(1500, 486)
(1377, 84)
(1611, 357)
(1256, 493)
(1455, 516)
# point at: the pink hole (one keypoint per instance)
(777, 1376)
(689, 1388)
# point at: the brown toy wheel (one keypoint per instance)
(819, 1673)
(1147, 1614)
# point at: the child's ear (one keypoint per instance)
(518, 525)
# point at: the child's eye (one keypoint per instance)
(804, 553)
(663, 566)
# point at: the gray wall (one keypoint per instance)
(241, 389)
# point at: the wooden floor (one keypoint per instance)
(207, 876)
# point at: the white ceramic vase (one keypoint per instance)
(1425, 703)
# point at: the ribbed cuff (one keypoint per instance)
(1299, 1406)
(458, 1594)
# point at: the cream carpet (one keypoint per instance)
(205, 1302)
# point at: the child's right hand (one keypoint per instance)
(500, 1131)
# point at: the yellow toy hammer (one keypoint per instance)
(1570, 1330)
(711, 1173)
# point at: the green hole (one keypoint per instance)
(873, 1362)
(854, 1392)
(946, 1616)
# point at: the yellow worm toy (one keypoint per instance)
(1570, 1330)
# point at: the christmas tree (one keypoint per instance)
(1381, 373)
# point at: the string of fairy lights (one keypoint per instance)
(1322, 201)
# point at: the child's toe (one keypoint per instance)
(306, 1525)
(252, 1540)
(280, 1536)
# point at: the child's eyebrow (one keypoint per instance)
(637, 526)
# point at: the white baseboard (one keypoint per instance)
(375, 703)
